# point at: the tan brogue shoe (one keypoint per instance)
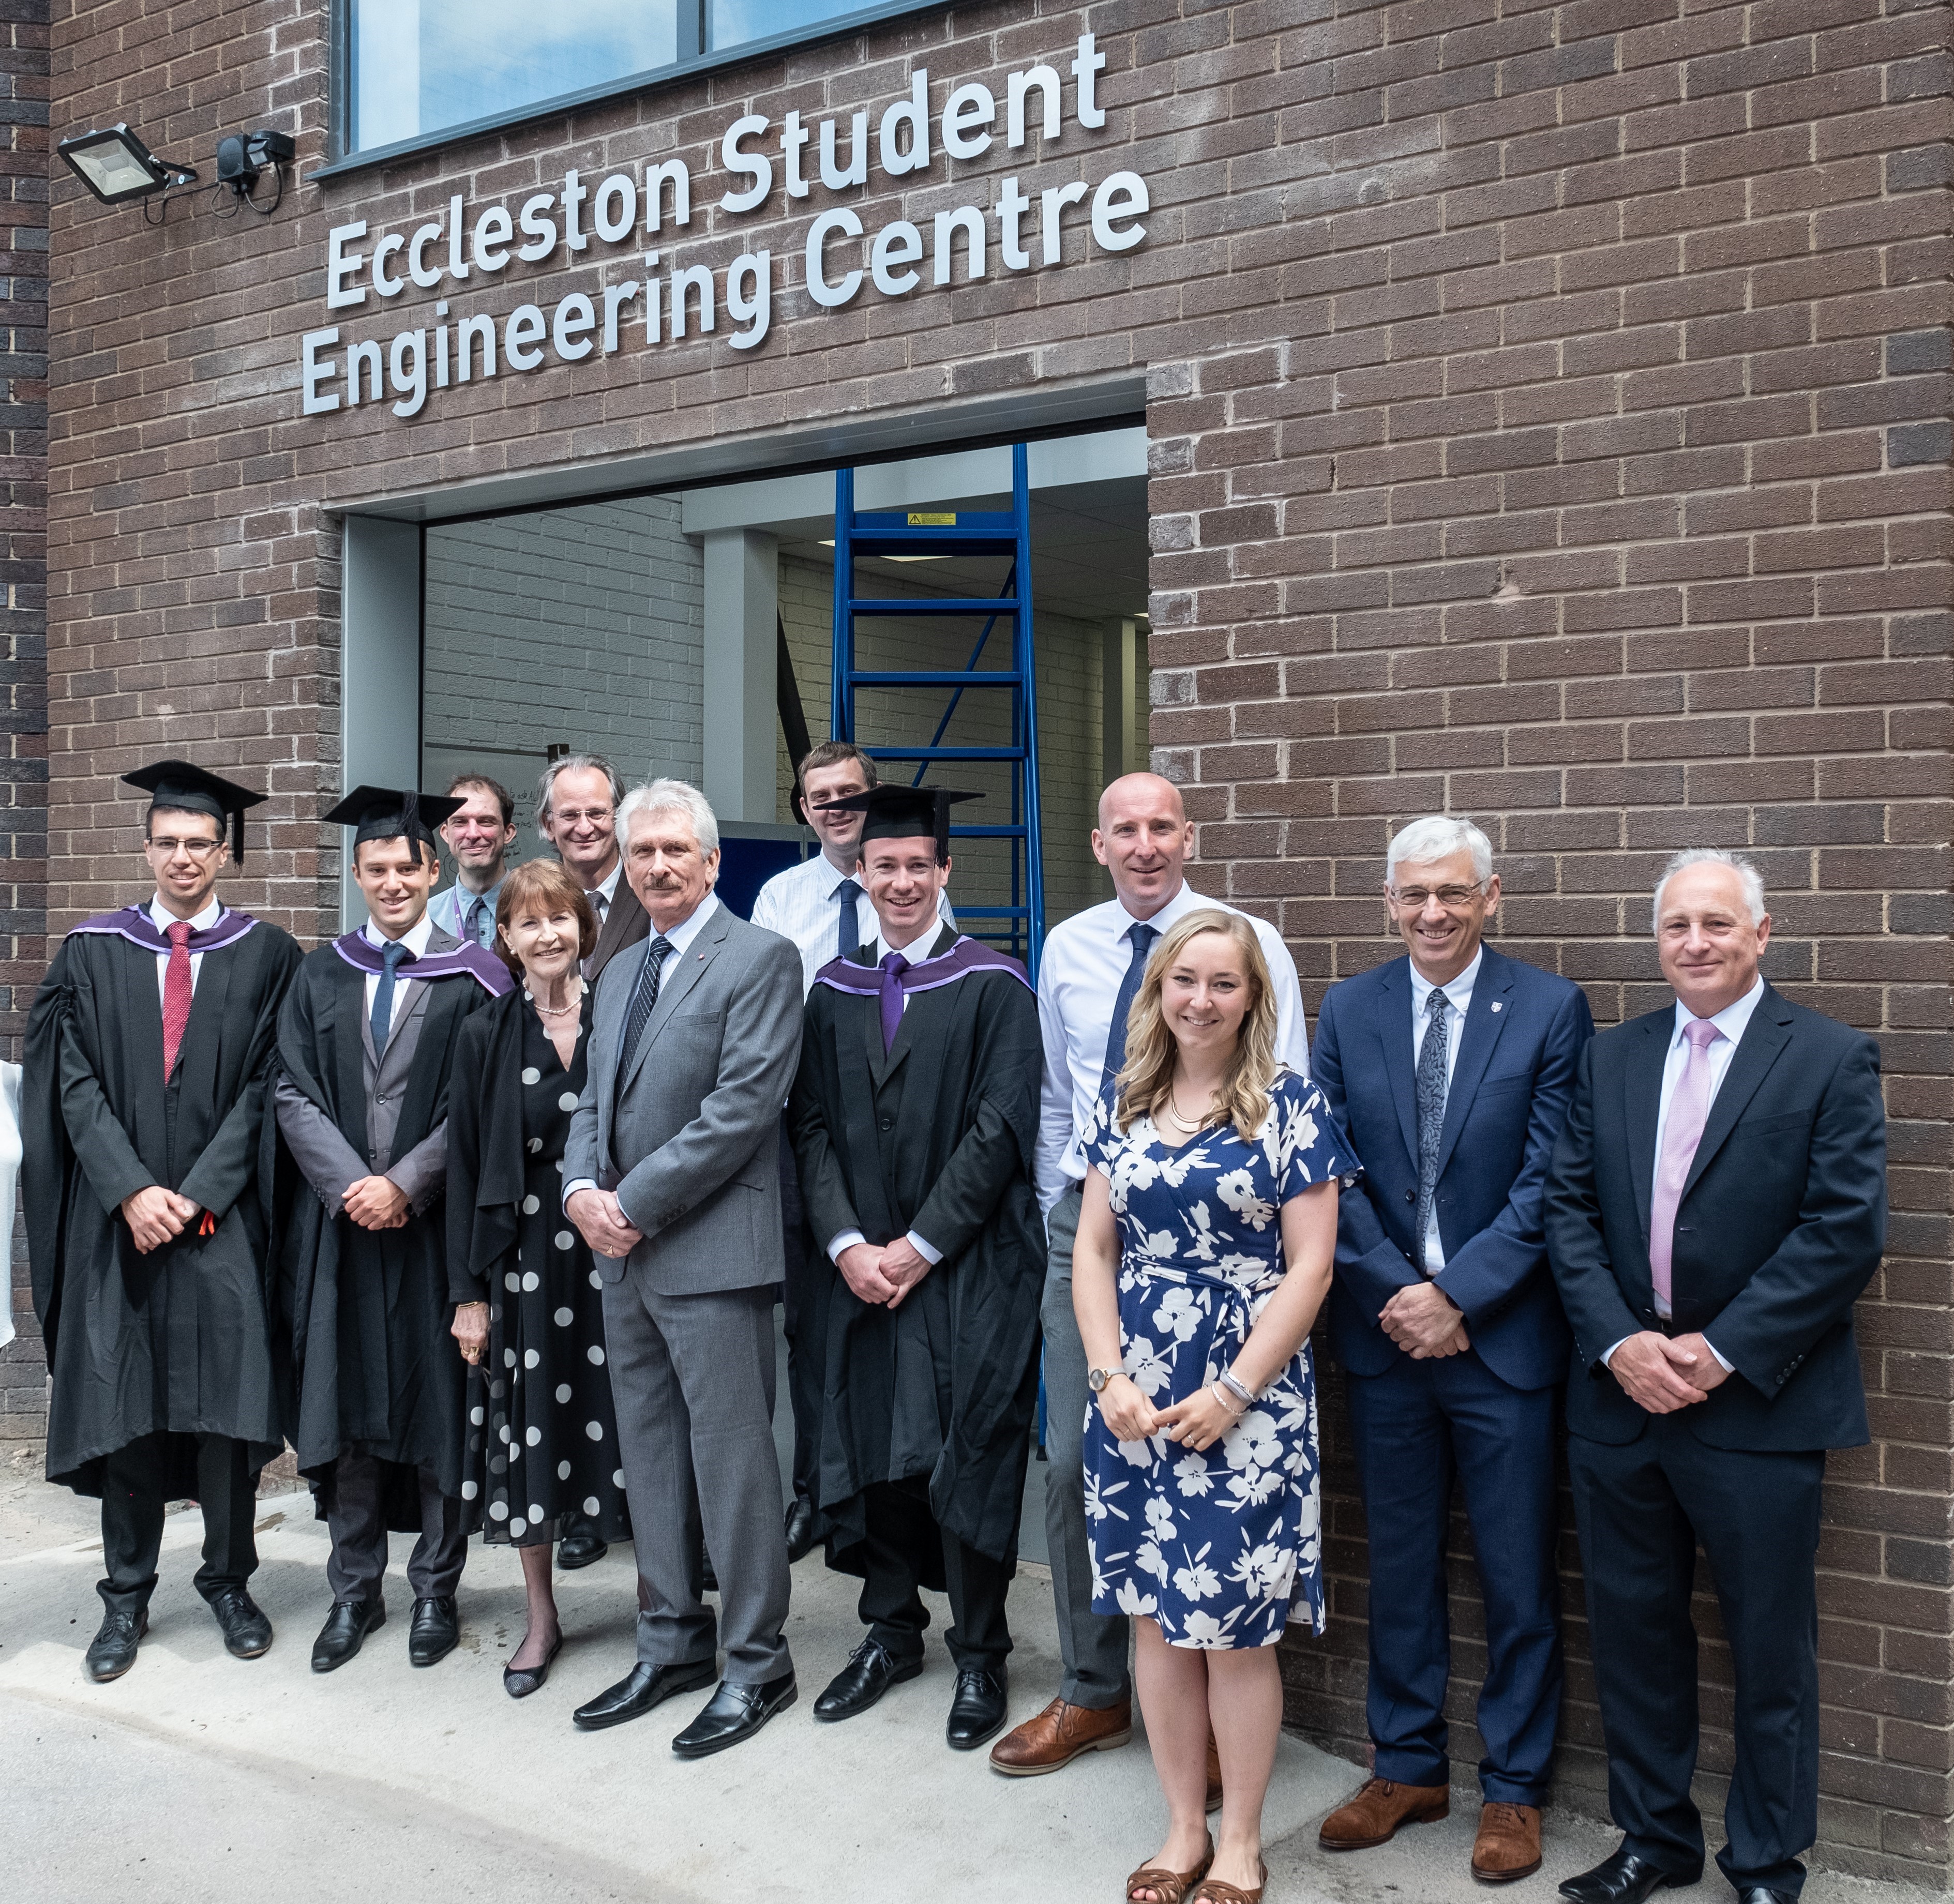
(1053, 1739)
(1373, 1816)
(1507, 1845)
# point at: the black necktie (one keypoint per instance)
(1431, 1081)
(1142, 938)
(643, 1002)
(849, 942)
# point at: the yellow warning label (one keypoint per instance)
(918, 521)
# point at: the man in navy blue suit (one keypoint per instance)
(1451, 1069)
(1715, 1205)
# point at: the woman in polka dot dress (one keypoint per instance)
(542, 1441)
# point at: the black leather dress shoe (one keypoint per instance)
(871, 1670)
(435, 1633)
(112, 1652)
(734, 1713)
(1625, 1879)
(582, 1549)
(644, 1687)
(709, 1581)
(346, 1626)
(800, 1529)
(246, 1632)
(1763, 1894)
(977, 1712)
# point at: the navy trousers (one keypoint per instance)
(1643, 1506)
(1414, 1429)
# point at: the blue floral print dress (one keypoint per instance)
(1224, 1546)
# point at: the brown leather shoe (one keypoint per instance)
(1052, 1739)
(1507, 1845)
(1372, 1817)
(1214, 1773)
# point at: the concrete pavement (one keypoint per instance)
(202, 1779)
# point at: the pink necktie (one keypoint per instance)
(176, 995)
(1688, 1110)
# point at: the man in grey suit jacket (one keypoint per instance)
(673, 1176)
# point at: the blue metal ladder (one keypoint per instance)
(1021, 923)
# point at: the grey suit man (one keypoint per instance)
(673, 1176)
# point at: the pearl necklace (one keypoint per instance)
(556, 1011)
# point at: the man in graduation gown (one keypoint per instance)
(914, 1119)
(365, 1041)
(150, 1050)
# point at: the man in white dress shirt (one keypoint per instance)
(820, 905)
(1087, 978)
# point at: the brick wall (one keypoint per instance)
(1551, 422)
(23, 674)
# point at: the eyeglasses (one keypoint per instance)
(1450, 897)
(586, 816)
(199, 849)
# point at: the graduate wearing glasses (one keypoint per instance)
(149, 1212)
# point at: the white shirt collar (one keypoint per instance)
(415, 938)
(687, 930)
(1458, 991)
(916, 951)
(607, 886)
(163, 918)
(1731, 1020)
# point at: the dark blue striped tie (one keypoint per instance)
(1142, 938)
(643, 1001)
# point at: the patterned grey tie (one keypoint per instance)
(1431, 1083)
(643, 1002)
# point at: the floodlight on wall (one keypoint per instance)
(116, 166)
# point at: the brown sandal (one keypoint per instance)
(1168, 1886)
(1214, 1890)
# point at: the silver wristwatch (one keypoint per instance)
(1096, 1379)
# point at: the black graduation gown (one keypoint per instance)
(374, 1360)
(178, 1342)
(938, 1135)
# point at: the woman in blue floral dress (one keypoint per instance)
(1204, 1253)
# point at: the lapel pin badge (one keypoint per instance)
(1495, 1005)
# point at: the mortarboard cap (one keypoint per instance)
(186, 789)
(906, 813)
(392, 813)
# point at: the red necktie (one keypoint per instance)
(176, 995)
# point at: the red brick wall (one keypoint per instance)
(24, 673)
(1551, 423)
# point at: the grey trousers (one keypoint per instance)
(358, 1524)
(692, 1380)
(1093, 1646)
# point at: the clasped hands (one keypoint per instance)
(1424, 1321)
(375, 1203)
(600, 1222)
(155, 1215)
(883, 1273)
(1663, 1373)
(1197, 1423)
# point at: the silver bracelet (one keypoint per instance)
(1239, 1390)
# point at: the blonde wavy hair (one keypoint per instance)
(1146, 1078)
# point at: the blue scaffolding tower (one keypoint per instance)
(1020, 924)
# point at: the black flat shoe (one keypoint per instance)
(247, 1634)
(519, 1682)
(977, 1712)
(871, 1670)
(1625, 1879)
(734, 1713)
(800, 1529)
(112, 1652)
(582, 1549)
(644, 1687)
(346, 1626)
(435, 1633)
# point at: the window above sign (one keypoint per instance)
(414, 72)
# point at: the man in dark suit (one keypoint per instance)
(1451, 1069)
(1716, 1204)
(577, 799)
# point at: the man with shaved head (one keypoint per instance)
(1087, 978)
(1715, 1205)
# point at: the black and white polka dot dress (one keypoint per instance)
(542, 1437)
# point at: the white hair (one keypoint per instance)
(1748, 877)
(670, 796)
(1438, 836)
